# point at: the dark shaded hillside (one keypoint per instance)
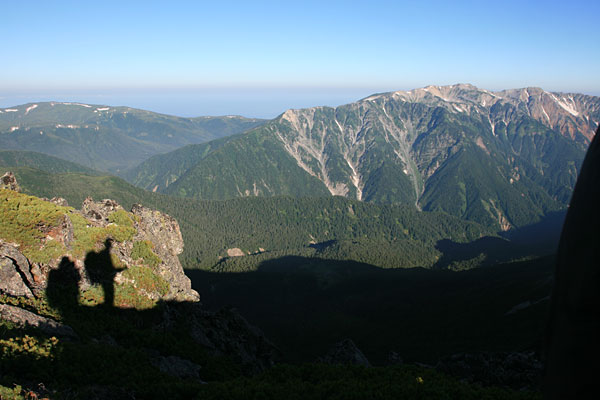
(306, 305)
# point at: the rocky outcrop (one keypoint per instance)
(97, 212)
(226, 332)
(134, 252)
(15, 277)
(394, 358)
(8, 181)
(345, 352)
(235, 252)
(164, 232)
(23, 277)
(23, 318)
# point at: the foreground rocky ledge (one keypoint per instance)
(59, 265)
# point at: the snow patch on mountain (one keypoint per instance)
(76, 104)
(567, 106)
(33, 107)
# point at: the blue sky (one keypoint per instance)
(259, 58)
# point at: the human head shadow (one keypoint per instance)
(101, 270)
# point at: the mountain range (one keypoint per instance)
(310, 224)
(107, 138)
(504, 159)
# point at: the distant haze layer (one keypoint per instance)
(249, 102)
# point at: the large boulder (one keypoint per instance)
(15, 278)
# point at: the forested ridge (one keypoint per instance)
(264, 228)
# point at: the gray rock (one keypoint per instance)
(177, 367)
(23, 318)
(98, 211)
(8, 181)
(22, 278)
(11, 282)
(345, 352)
(163, 230)
(59, 201)
(14, 272)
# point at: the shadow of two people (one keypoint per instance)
(63, 283)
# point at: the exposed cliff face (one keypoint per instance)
(163, 230)
(336, 144)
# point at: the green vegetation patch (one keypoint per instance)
(120, 233)
(147, 280)
(121, 217)
(148, 287)
(37, 305)
(30, 222)
(87, 238)
(32, 347)
(143, 250)
(13, 393)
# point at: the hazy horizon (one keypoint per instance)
(258, 59)
(264, 103)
